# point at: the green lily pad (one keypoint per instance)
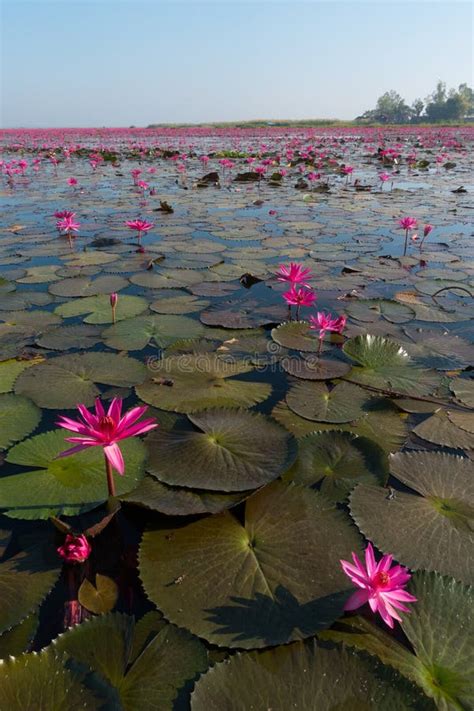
(230, 450)
(182, 304)
(337, 461)
(83, 286)
(22, 299)
(98, 308)
(439, 627)
(25, 581)
(369, 310)
(256, 584)
(462, 389)
(464, 420)
(133, 669)
(300, 676)
(315, 401)
(18, 638)
(68, 485)
(432, 528)
(40, 681)
(99, 598)
(441, 351)
(192, 383)
(136, 333)
(315, 368)
(11, 369)
(40, 275)
(82, 336)
(66, 380)
(180, 501)
(296, 335)
(385, 365)
(441, 429)
(18, 417)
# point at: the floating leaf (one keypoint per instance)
(63, 381)
(431, 529)
(18, 638)
(11, 369)
(262, 583)
(315, 368)
(98, 308)
(18, 417)
(231, 450)
(148, 680)
(192, 383)
(82, 336)
(368, 310)
(66, 485)
(182, 304)
(40, 681)
(296, 335)
(301, 676)
(136, 333)
(25, 580)
(441, 429)
(83, 286)
(100, 598)
(338, 461)
(315, 401)
(463, 390)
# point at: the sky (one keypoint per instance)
(136, 62)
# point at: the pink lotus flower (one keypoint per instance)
(75, 549)
(64, 214)
(294, 274)
(299, 297)
(139, 226)
(105, 430)
(408, 223)
(323, 322)
(426, 230)
(72, 181)
(381, 586)
(68, 225)
(113, 299)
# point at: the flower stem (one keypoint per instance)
(110, 477)
(113, 314)
(406, 242)
(320, 346)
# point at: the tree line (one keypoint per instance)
(439, 106)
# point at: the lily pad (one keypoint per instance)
(82, 336)
(315, 401)
(315, 368)
(301, 676)
(462, 389)
(182, 304)
(63, 381)
(68, 485)
(98, 308)
(18, 417)
(83, 286)
(188, 383)
(337, 461)
(132, 669)
(296, 335)
(441, 429)
(11, 369)
(256, 584)
(99, 598)
(432, 528)
(369, 310)
(135, 334)
(25, 581)
(18, 638)
(230, 450)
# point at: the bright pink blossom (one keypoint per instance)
(299, 297)
(426, 230)
(381, 585)
(105, 430)
(139, 226)
(408, 223)
(68, 225)
(75, 549)
(64, 214)
(72, 181)
(294, 274)
(323, 322)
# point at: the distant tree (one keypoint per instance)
(450, 106)
(391, 108)
(417, 108)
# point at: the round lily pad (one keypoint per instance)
(315, 401)
(371, 309)
(11, 369)
(337, 461)
(18, 417)
(431, 528)
(98, 310)
(315, 368)
(299, 676)
(462, 389)
(182, 304)
(188, 383)
(256, 584)
(138, 666)
(136, 333)
(67, 485)
(442, 428)
(230, 450)
(64, 381)
(83, 286)
(82, 336)
(296, 335)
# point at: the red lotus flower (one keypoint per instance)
(323, 322)
(75, 549)
(299, 297)
(139, 226)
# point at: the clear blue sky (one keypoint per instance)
(116, 63)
